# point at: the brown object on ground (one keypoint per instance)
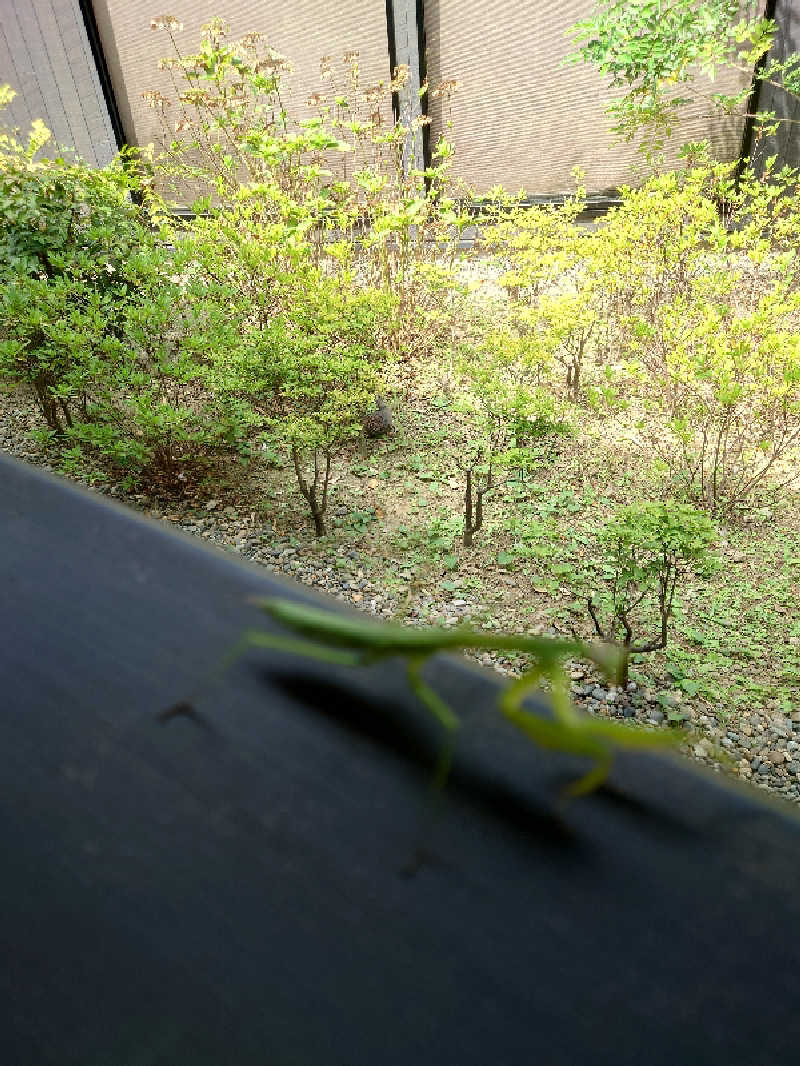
(379, 422)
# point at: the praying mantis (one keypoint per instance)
(350, 641)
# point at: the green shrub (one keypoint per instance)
(557, 280)
(537, 419)
(321, 361)
(303, 342)
(58, 216)
(56, 337)
(121, 376)
(513, 422)
(706, 317)
(308, 370)
(647, 548)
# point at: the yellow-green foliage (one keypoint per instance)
(539, 247)
(556, 279)
(706, 311)
(685, 298)
(344, 164)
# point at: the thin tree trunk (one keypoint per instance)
(468, 512)
(309, 492)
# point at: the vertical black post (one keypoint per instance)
(422, 49)
(392, 55)
(96, 45)
(752, 103)
(403, 29)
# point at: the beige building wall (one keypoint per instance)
(303, 30)
(522, 119)
(45, 57)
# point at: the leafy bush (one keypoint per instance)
(58, 216)
(706, 316)
(657, 50)
(683, 302)
(495, 396)
(320, 363)
(730, 391)
(94, 320)
(347, 170)
(537, 247)
(157, 412)
(57, 334)
(647, 549)
(121, 376)
(304, 341)
(513, 422)
(557, 281)
(537, 420)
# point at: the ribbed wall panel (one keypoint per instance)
(522, 119)
(45, 57)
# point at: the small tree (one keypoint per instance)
(479, 482)
(648, 548)
(656, 49)
(313, 370)
(512, 419)
(496, 372)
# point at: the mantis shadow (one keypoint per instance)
(390, 727)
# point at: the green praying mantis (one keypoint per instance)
(351, 641)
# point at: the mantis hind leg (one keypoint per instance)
(443, 713)
(595, 777)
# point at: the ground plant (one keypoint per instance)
(647, 549)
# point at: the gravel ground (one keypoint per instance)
(755, 747)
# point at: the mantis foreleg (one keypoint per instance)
(255, 638)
